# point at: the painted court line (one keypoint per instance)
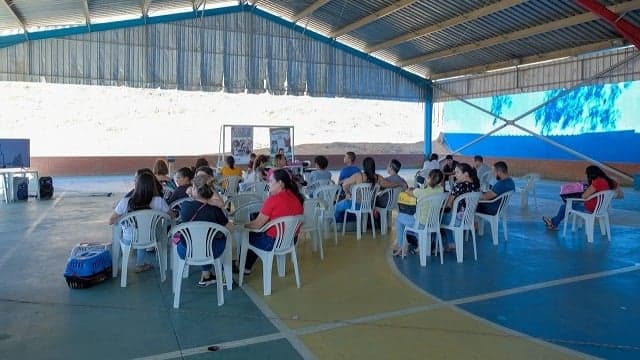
(292, 335)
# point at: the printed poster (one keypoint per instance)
(241, 143)
(280, 140)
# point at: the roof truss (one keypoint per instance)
(15, 15)
(520, 34)
(309, 10)
(371, 18)
(472, 15)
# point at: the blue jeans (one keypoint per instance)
(141, 255)
(556, 220)
(218, 249)
(402, 221)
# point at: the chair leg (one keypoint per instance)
(373, 225)
(344, 222)
(116, 236)
(504, 228)
(335, 231)
(473, 236)
(294, 260)
(458, 236)
(383, 222)
(359, 225)
(217, 267)
(588, 228)
(422, 247)
(177, 283)
(227, 267)
(281, 261)
(480, 226)
(243, 262)
(320, 243)
(125, 265)
(440, 247)
(162, 262)
(267, 266)
(494, 231)
(607, 225)
(603, 230)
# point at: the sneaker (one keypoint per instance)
(206, 282)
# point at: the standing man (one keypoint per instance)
(504, 183)
(349, 169)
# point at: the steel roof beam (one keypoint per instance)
(371, 18)
(144, 7)
(516, 35)
(87, 15)
(575, 51)
(472, 15)
(18, 19)
(309, 10)
(624, 28)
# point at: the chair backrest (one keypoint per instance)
(246, 197)
(145, 226)
(176, 204)
(471, 202)
(504, 199)
(286, 229)
(362, 194)
(230, 184)
(328, 193)
(199, 237)
(485, 180)
(313, 208)
(530, 179)
(603, 201)
(260, 188)
(392, 197)
(431, 206)
(242, 214)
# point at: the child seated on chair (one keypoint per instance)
(597, 181)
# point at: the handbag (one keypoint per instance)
(176, 238)
(407, 203)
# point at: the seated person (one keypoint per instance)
(504, 183)
(145, 196)
(200, 162)
(200, 209)
(284, 200)
(392, 170)
(597, 181)
(430, 164)
(184, 176)
(434, 186)
(321, 174)
(368, 175)
(448, 168)
(349, 169)
(230, 168)
(466, 181)
(142, 171)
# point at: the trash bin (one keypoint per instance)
(636, 182)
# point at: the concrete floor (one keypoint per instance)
(537, 295)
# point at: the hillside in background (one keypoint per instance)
(364, 148)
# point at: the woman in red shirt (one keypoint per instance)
(284, 200)
(597, 181)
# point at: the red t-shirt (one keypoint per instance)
(284, 203)
(600, 184)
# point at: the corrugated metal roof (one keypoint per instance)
(445, 46)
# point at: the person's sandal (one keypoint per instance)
(204, 282)
(549, 223)
(143, 268)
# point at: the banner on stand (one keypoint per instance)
(281, 140)
(241, 143)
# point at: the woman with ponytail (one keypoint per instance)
(285, 199)
(466, 181)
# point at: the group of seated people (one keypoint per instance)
(285, 199)
(206, 204)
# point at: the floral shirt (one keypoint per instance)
(463, 188)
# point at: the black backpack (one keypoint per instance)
(46, 187)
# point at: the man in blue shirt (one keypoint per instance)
(349, 169)
(504, 183)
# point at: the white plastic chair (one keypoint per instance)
(329, 195)
(229, 185)
(528, 188)
(199, 237)
(284, 244)
(176, 204)
(601, 212)
(311, 188)
(240, 217)
(260, 188)
(431, 206)
(485, 181)
(312, 223)
(466, 222)
(385, 211)
(148, 230)
(361, 194)
(501, 214)
(242, 198)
